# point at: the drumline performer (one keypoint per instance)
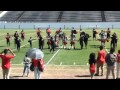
(8, 39)
(64, 40)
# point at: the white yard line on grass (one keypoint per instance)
(51, 58)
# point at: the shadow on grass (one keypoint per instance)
(82, 76)
(2, 46)
(94, 46)
(15, 77)
(72, 49)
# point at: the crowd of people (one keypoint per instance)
(111, 59)
(53, 41)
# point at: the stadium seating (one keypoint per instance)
(11, 16)
(81, 16)
(112, 16)
(41, 16)
(61, 16)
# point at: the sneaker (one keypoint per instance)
(96, 74)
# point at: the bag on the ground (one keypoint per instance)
(32, 67)
(41, 65)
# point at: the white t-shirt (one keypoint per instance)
(27, 61)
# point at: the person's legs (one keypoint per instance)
(50, 48)
(7, 73)
(108, 72)
(9, 43)
(39, 46)
(18, 48)
(92, 74)
(118, 69)
(98, 65)
(85, 44)
(24, 70)
(74, 46)
(28, 70)
(113, 72)
(101, 65)
(81, 44)
(35, 72)
(113, 44)
(31, 45)
(3, 73)
(39, 74)
(53, 48)
(42, 46)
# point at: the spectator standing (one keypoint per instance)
(92, 62)
(118, 63)
(8, 39)
(100, 60)
(6, 62)
(111, 59)
(27, 62)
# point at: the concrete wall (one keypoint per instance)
(58, 25)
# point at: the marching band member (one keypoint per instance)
(103, 36)
(56, 37)
(72, 40)
(86, 36)
(108, 33)
(94, 34)
(48, 31)
(40, 42)
(59, 33)
(8, 39)
(81, 39)
(64, 40)
(114, 40)
(22, 35)
(52, 48)
(38, 32)
(16, 35)
(48, 42)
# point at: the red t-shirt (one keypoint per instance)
(6, 61)
(35, 62)
(118, 57)
(101, 55)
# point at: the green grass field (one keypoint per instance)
(63, 57)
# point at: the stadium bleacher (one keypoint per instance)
(61, 16)
(81, 16)
(112, 16)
